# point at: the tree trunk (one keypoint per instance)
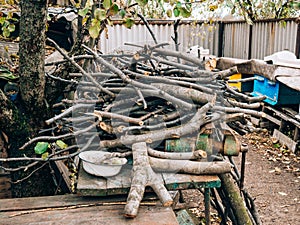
(17, 124)
(32, 54)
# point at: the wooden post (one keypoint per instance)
(297, 50)
(207, 205)
(221, 40)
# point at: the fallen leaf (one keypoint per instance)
(277, 170)
(282, 193)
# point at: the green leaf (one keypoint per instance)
(6, 74)
(41, 147)
(142, 2)
(107, 4)
(45, 155)
(122, 13)
(11, 27)
(128, 23)
(176, 12)
(100, 14)
(178, 4)
(169, 13)
(94, 29)
(2, 19)
(5, 32)
(83, 12)
(61, 144)
(185, 13)
(114, 9)
(233, 11)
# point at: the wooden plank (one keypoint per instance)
(186, 181)
(89, 185)
(90, 215)
(31, 203)
(65, 173)
(284, 117)
(72, 200)
(5, 186)
(120, 184)
(283, 139)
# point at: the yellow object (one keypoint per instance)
(236, 77)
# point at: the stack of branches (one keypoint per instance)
(131, 103)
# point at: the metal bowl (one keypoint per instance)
(93, 163)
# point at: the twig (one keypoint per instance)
(61, 79)
(66, 112)
(147, 26)
(110, 115)
(54, 138)
(29, 175)
(81, 69)
(126, 79)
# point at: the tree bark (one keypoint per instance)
(185, 93)
(187, 166)
(15, 126)
(236, 201)
(143, 175)
(12, 122)
(32, 54)
(20, 125)
(198, 154)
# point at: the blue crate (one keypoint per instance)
(277, 93)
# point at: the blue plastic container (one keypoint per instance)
(11, 90)
(277, 93)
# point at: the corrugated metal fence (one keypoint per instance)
(189, 33)
(230, 39)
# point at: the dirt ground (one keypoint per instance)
(272, 178)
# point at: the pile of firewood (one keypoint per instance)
(133, 103)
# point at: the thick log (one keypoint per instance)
(235, 200)
(187, 166)
(143, 175)
(185, 93)
(199, 154)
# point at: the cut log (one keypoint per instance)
(185, 93)
(143, 176)
(199, 154)
(187, 166)
(235, 200)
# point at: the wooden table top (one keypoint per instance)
(89, 185)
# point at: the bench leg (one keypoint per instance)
(207, 205)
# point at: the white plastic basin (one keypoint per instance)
(92, 162)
